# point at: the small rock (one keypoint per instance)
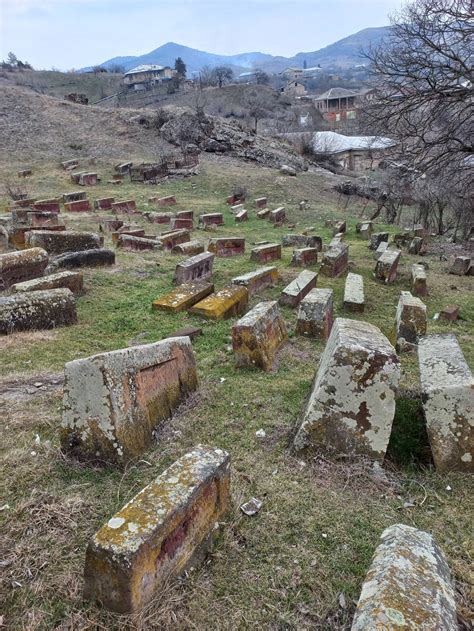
(260, 433)
(287, 170)
(38, 384)
(251, 507)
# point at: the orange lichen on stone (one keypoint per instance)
(226, 303)
(184, 296)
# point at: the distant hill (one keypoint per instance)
(344, 53)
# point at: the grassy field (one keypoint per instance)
(298, 564)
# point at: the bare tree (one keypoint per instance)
(222, 74)
(256, 103)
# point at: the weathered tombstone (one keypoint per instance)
(127, 230)
(352, 401)
(184, 296)
(160, 218)
(277, 215)
(304, 257)
(401, 240)
(315, 314)
(216, 219)
(170, 200)
(70, 164)
(88, 179)
(185, 214)
(25, 173)
(257, 336)
(339, 227)
(81, 205)
(410, 322)
(181, 222)
(227, 246)
(242, 215)
(37, 310)
(418, 280)
(168, 526)
(170, 239)
(228, 302)
(85, 258)
(16, 267)
(51, 205)
(113, 402)
(294, 293)
(127, 206)
(450, 313)
(236, 209)
(408, 585)
(104, 203)
(335, 241)
(461, 266)
(381, 248)
(418, 230)
(41, 218)
(335, 261)
(265, 253)
(136, 243)
(123, 168)
(417, 246)
(301, 241)
(447, 388)
(354, 293)
(366, 229)
(259, 279)
(73, 281)
(263, 214)
(112, 225)
(387, 265)
(376, 239)
(260, 202)
(197, 267)
(58, 242)
(189, 247)
(74, 196)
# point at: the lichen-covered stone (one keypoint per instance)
(294, 293)
(257, 336)
(292, 240)
(216, 219)
(418, 280)
(381, 248)
(170, 239)
(277, 215)
(304, 257)
(260, 202)
(387, 265)
(461, 266)
(266, 252)
(197, 267)
(85, 258)
(227, 246)
(410, 321)
(104, 203)
(417, 246)
(70, 280)
(263, 214)
(170, 200)
(178, 223)
(352, 401)
(40, 218)
(127, 206)
(16, 267)
(408, 585)
(335, 260)
(447, 387)
(259, 279)
(127, 230)
(51, 205)
(366, 229)
(376, 239)
(160, 218)
(136, 243)
(315, 314)
(58, 242)
(37, 310)
(226, 303)
(242, 215)
(184, 296)
(114, 401)
(79, 205)
(354, 293)
(189, 247)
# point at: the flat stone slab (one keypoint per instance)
(160, 533)
(39, 218)
(354, 293)
(170, 239)
(70, 280)
(257, 337)
(169, 200)
(381, 248)
(242, 215)
(257, 280)
(160, 218)
(227, 246)
(189, 247)
(298, 288)
(126, 206)
(417, 246)
(58, 242)
(185, 214)
(216, 219)
(418, 280)
(304, 257)
(294, 240)
(335, 261)
(263, 214)
(51, 205)
(24, 265)
(226, 303)
(197, 267)
(387, 265)
(447, 387)
(113, 402)
(184, 296)
(352, 401)
(178, 223)
(376, 239)
(104, 203)
(97, 257)
(127, 230)
(315, 314)
(74, 196)
(410, 322)
(408, 585)
(136, 243)
(265, 253)
(81, 205)
(37, 310)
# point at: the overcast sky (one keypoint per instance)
(75, 33)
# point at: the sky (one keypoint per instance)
(68, 34)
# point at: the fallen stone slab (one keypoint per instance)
(461, 266)
(127, 206)
(408, 585)
(294, 240)
(37, 310)
(410, 322)
(73, 281)
(216, 219)
(81, 205)
(237, 208)
(184, 296)
(189, 247)
(178, 223)
(315, 314)
(70, 164)
(277, 215)
(127, 230)
(242, 215)
(257, 280)
(113, 402)
(447, 388)
(74, 196)
(418, 280)
(123, 168)
(104, 203)
(257, 337)
(381, 248)
(265, 253)
(84, 258)
(335, 261)
(51, 205)
(260, 202)
(387, 265)
(169, 200)
(136, 243)
(88, 179)
(16, 267)
(263, 214)
(185, 214)
(160, 218)
(197, 267)
(227, 246)
(112, 225)
(163, 531)
(169, 240)
(376, 239)
(304, 257)
(450, 313)
(25, 173)
(354, 299)
(294, 293)
(58, 242)
(41, 218)
(352, 401)
(226, 303)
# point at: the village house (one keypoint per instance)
(146, 76)
(294, 89)
(354, 153)
(340, 104)
(292, 74)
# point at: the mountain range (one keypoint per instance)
(344, 53)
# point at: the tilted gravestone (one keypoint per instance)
(259, 279)
(315, 314)
(304, 257)
(183, 297)
(96, 257)
(410, 322)
(16, 267)
(418, 280)
(387, 266)
(198, 267)
(354, 293)
(58, 242)
(226, 303)
(227, 246)
(298, 288)
(37, 310)
(70, 280)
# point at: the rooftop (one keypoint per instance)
(144, 68)
(336, 93)
(331, 142)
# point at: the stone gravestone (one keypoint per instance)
(410, 322)
(216, 219)
(62, 241)
(417, 246)
(260, 202)
(85, 258)
(447, 388)
(136, 243)
(315, 314)
(37, 310)
(70, 280)
(354, 293)
(352, 401)
(381, 248)
(197, 267)
(16, 267)
(259, 279)
(113, 402)
(294, 293)
(184, 296)
(376, 239)
(387, 265)
(189, 247)
(227, 246)
(418, 280)
(304, 257)
(277, 215)
(226, 303)
(461, 266)
(266, 253)
(160, 533)
(408, 585)
(257, 336)
(169, 240)
(335, 261)
(104, 203)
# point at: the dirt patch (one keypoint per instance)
(31, 387)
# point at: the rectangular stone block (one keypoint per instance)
(127, 230)
(339, 227)
(235, 199)
(277, 215)
(81, 205)
(216, 219)
(257, 337)
(70, 164)
(73, 281)
(366, 229)
(260, 202)
(161, 218)
(136, 243)
(335, 260)
(352, 401)
(376, 239)
(263, 214)
(227, 246)
(237, 208)
(387, 265)
(25, 173)
(242, 215)
(104, 203)
(170, 239)
(37, 310)
(461, 266)
(417, 246)
(226, 303)
(180, 222)
(58, 242)
(51, 205)
(265, 253)
(188, 331)
(447, 388)
(292, 240)
(86, 258)
(197, 267)
(294, 293)
(169, 200)
(88, 179)
(408, 585)
(40, 218)
(24, 265)
(189, 247)
(315, 314)
(259, 279)
(354, 293)
(418, 280)
(26, 202)
(123, 168)
(450, 313)
(161, 532)
(304, 257)
(127, 206)
(74, 196)
(410, 322)
(185, 214)
(113, 402)
(381, 248)
(112, 225)
(184, 296)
